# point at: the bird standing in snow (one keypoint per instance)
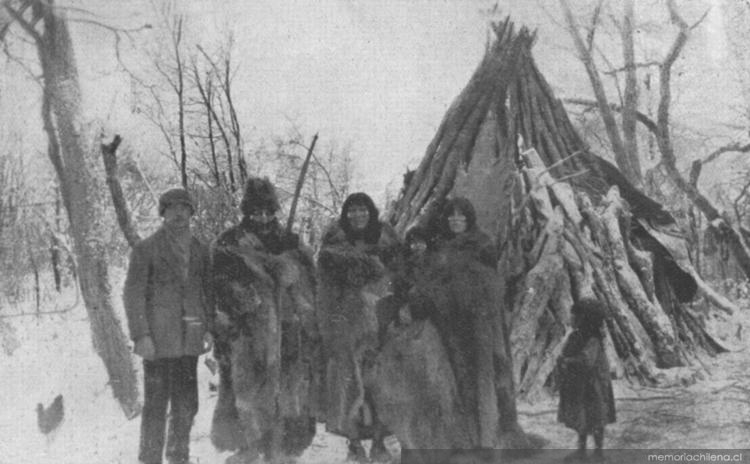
(50, 418)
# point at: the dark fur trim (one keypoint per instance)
(349, 267)
(259, 194)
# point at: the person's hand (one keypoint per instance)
(222, 320)
(208, 342)
(144, 347)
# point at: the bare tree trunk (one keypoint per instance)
(621, 157)
(176, 40)
(207, 98)
(630, 99)
(62, 97)
(234, 123)
(669, 161)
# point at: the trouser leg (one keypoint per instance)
(183, 396)
(156, 397)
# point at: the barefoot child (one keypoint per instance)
(586, 398)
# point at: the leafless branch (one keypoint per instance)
(594, 23)
(18, 17)
(615, 138)
(737, 200)
(609, 73)
(552, 17)
(664, 139)
(697, 166)
(646, 64)
(642, 118)
(22, 64)
(222, 131)
(114, 29)
(309, 199)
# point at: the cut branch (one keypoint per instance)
(300, 183)
(630, 101)
(109, 156)
(640, 117)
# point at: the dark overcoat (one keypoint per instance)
(160, 302)
(586, 396)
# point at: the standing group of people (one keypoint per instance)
(294, 337)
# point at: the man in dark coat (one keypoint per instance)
(168, 300)
(266, 345)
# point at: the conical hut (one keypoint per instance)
(566, 222)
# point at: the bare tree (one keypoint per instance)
(661, 129)
(623, 145)
(47, 27)
(167, 111)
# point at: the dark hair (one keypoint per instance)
(463, 206)
(259, 195)
(423, 233)
(371, 232)
(592, 314)
(416, 233)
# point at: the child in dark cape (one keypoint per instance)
(586, 398)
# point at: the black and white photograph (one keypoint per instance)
(356, 231)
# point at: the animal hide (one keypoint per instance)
(254, 285)
(352, 281)
(460, 296)
(414, 390)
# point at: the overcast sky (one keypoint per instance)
(378, 75)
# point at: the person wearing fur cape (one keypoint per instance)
(267, 339)
(353, 278)
(457, 289)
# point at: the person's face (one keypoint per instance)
(358, 216)
(457, 222)
(263, 219)
(177, 217)
(262, 216)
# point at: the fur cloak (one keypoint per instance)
(352, 281)
(459, 293)
(254, 285)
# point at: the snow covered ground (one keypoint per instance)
(55, 356)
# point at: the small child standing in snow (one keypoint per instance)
(586, 397)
